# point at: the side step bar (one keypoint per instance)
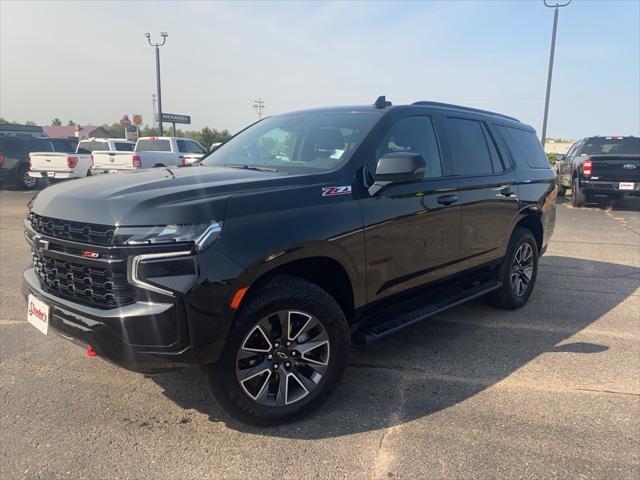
(382, 329)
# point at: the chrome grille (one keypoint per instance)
(91, 285)
(74, 231)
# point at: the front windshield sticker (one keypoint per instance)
(333, 191)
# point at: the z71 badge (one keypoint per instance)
(332, 191)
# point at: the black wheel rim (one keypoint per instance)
(522, 269)
(283, 358)
(27, 181)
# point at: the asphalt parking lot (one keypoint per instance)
(549, 391)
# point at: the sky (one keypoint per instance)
(90, 62)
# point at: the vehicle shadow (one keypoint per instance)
(626, 204)
(447, 359)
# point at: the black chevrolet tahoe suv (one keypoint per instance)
(600, 166)
(302, 233)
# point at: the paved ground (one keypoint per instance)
(550, 391)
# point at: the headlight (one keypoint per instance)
(202, 235)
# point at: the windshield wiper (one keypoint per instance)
(253, 167)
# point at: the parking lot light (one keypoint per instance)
(157, 46)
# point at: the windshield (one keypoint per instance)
(611, 146)
(296, 142)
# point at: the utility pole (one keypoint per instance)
(157, 46)
(556, 7)
(258, 106)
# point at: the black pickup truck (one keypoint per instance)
(302, 232)
(600, 166)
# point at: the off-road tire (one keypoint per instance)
(578, 198)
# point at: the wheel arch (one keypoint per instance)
(325, 271)
(532, 221)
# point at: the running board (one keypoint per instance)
(382, 329)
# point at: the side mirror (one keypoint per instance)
(399, 167)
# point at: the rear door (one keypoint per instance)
(411, 230)
(488, 191)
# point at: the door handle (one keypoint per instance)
(507, 191)
(447, 199)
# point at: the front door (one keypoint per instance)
(411, 230)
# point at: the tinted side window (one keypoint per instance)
(196, 148)
(415, 135)
(527, 148)
(469, 148)
(14, 148)
(182, 146)
(84, 147)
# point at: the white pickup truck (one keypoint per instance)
(54, 165)
(150, 152)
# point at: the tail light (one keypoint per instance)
(72, 162)
(136, 161)
(183, 161)
(2, 160)
(586, 167)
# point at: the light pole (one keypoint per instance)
(555, 6)
(164, 36)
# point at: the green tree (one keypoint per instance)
(56, 122)
(71, 123)
(29, 122)
(2, 120)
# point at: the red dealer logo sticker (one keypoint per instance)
(33, 310)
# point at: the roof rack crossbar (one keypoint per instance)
(460, 107)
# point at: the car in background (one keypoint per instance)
(600, 166)
(14, 156)
(150, 152)
(53, 166)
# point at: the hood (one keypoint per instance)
(150, 197)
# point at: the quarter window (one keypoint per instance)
(528, 148)
(414, 135)
(469, 147)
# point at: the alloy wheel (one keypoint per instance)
(283, 358)
(522, 269)
(28, 181)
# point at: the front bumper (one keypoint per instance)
(112, 333)
(602, 187)
(156, 332)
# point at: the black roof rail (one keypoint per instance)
(460, 107)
